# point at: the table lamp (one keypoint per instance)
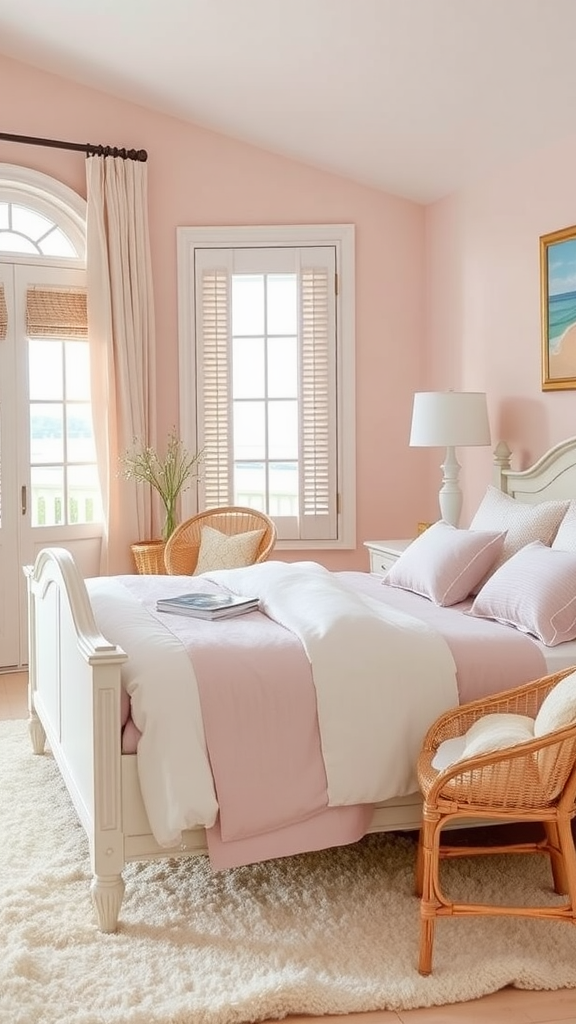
(449, 419)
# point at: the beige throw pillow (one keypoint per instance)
(226, 551)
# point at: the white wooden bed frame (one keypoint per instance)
(74, 702)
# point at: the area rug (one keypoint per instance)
(327, 933)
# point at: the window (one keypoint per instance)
(42, 266)
(63, 471)
(267, 374)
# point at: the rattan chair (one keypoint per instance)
(181, 553)
(534, 781)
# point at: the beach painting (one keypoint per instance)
(558, 309)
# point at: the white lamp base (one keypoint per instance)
(450, 496)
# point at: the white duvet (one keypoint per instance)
(381, 677)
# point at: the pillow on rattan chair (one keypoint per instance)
(231, 522)
(220, 551)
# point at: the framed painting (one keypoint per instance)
(558, 309)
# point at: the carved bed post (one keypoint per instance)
(500, 465)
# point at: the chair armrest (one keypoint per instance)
(523, 776)
(521, 700)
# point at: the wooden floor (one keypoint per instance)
(508, 1006)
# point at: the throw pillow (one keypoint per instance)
(535, 592)
(445, 563)
(565, 539)
(523, 523)
(489, 733)
(226, 551)
(558, 709)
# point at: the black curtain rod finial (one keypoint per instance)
(87, 147)
(125, 154)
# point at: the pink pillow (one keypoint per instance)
(444, 563)
(535, 591)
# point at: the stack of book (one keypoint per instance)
(207, 606)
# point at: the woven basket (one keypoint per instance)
(149, 557)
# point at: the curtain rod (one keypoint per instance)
(87, 147)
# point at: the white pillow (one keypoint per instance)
(496, 732)
(226, 551)
(565, 539)
(489, 733)
(558, 709)
(535, 591)
(523, 523)
(444, 563)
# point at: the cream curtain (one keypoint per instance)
(122, 344)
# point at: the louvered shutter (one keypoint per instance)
(213, 375)
(318, 456)
(3, 315)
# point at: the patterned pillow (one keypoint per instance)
(444, 563)
(523, 523)
(226, 551)
(534, 591)
(565, 539)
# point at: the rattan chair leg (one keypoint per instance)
(557, 862)
(566, 841)
(427, 928)
(428, 904)
(419, 879)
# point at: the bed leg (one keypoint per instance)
(37, 734)
(107, 894)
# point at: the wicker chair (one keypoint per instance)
(181, 553)
(534, 781)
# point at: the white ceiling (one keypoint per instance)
(417, 97)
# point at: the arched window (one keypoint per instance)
(40, 218)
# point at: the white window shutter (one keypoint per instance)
(318, 476)
(213, 375)
(3, 315)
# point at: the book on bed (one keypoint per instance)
(207, 606)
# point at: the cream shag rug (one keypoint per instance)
(325, 933)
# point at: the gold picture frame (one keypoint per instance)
(558, 309)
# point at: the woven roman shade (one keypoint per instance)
(3, 315)
(56, 313)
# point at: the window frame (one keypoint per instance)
(342, 237)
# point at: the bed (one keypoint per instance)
(78, 669)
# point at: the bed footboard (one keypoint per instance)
(74, 704)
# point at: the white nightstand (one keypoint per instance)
(383, 553)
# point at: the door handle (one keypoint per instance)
(23, 500)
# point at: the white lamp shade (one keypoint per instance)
(449, 418)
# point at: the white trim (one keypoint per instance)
(53, 196)
(342, 237)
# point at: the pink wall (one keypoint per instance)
(483, 304)
(197, 177)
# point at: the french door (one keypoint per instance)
(49, 494)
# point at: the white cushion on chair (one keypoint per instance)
(489, 733)
(558, 709)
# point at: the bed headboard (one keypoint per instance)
(552, 477)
